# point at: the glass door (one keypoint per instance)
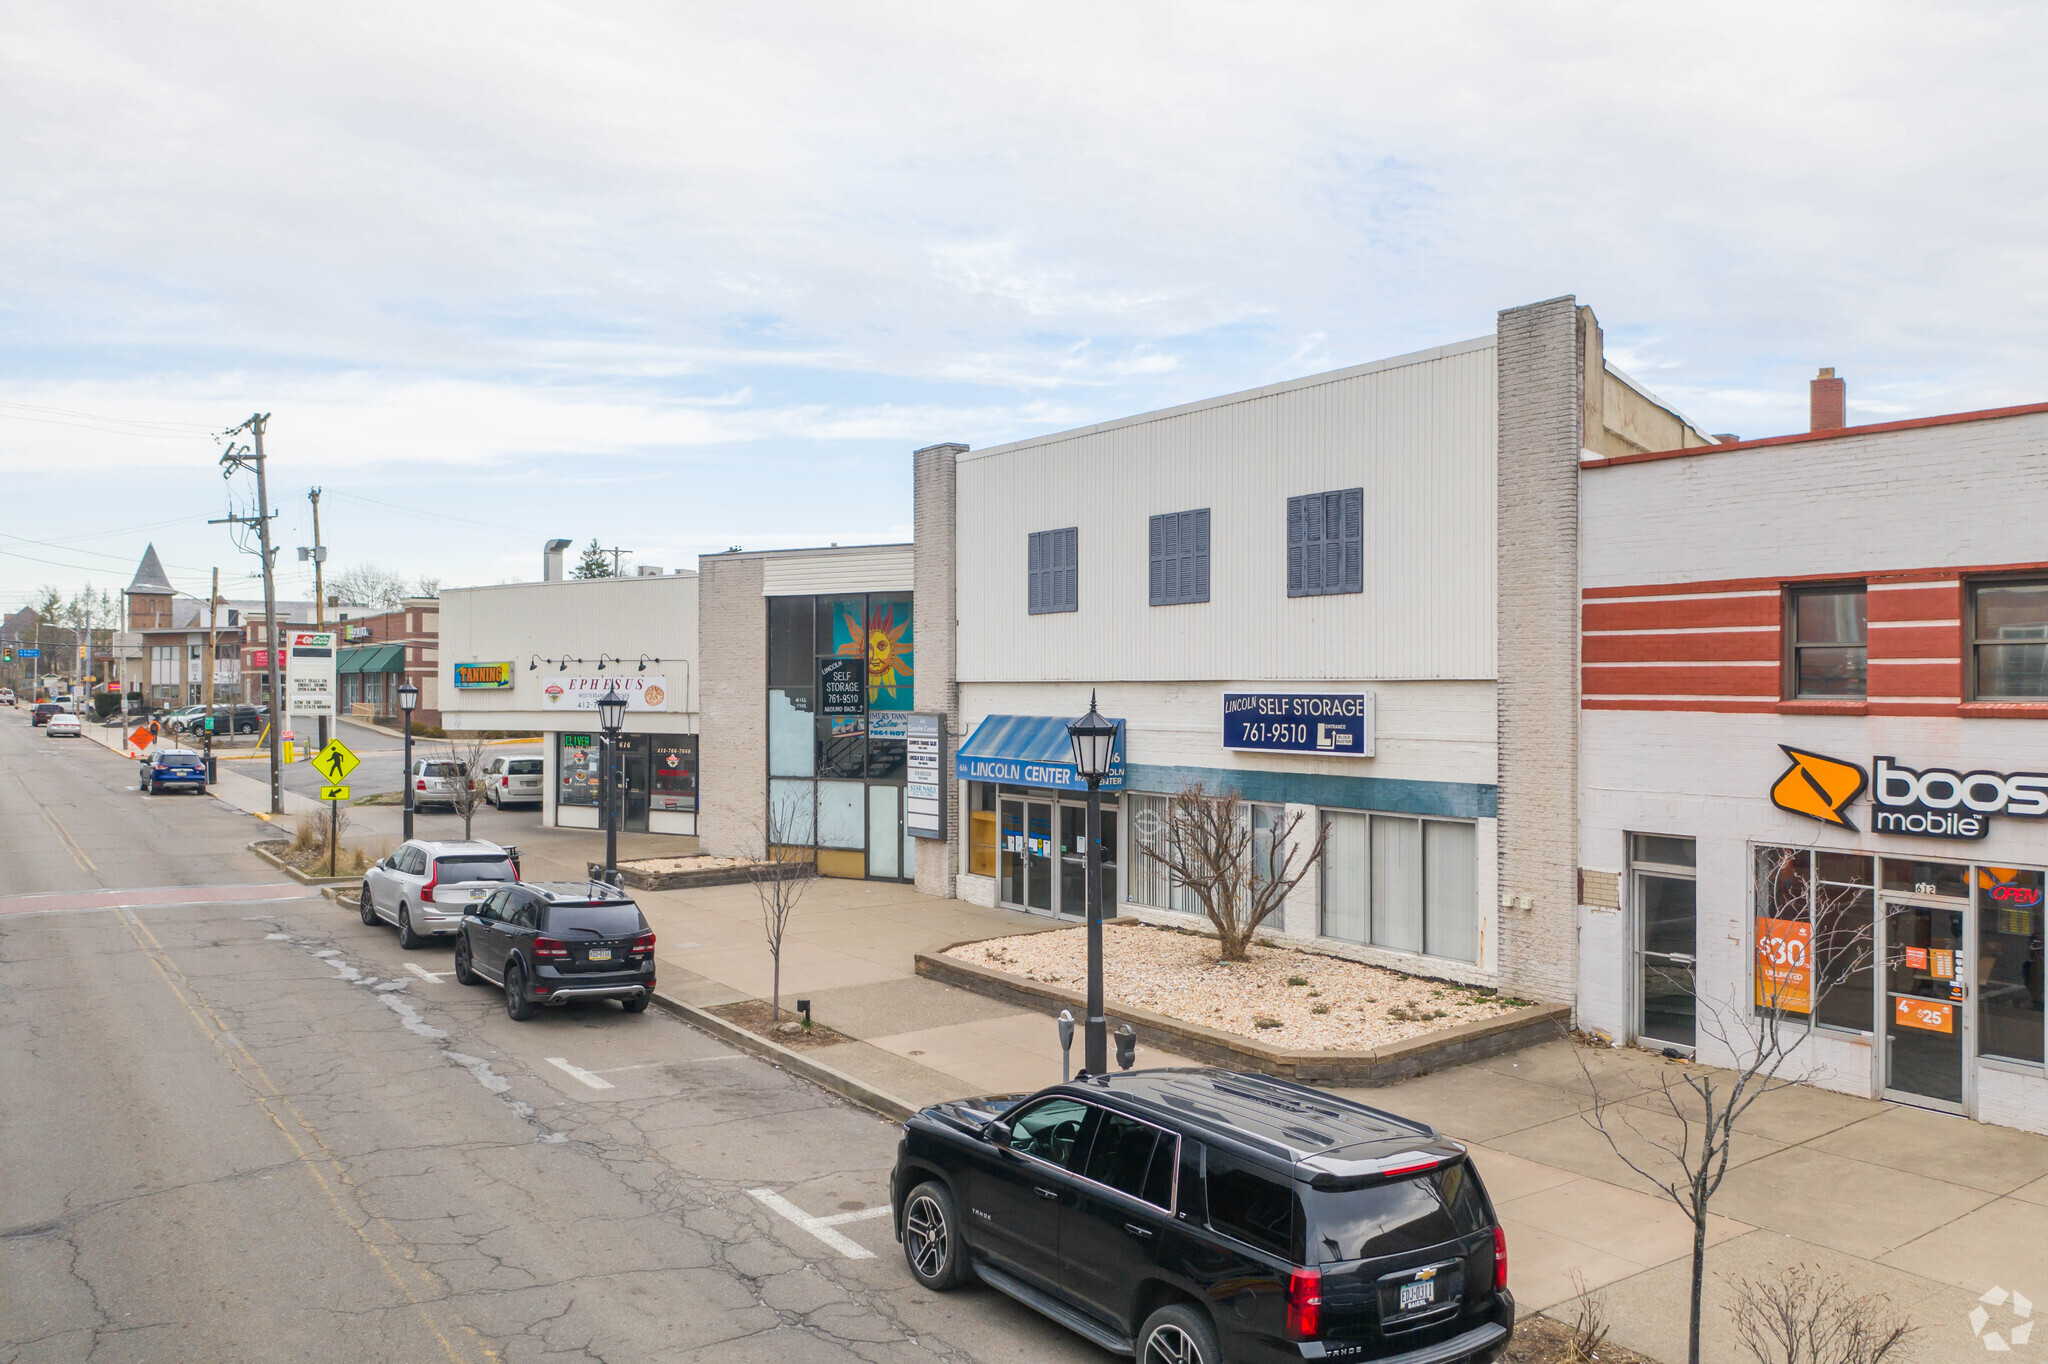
(633, 753)
(1038, 855)
(1074, 861)
(885, 841)
(1012, 880)
(1667, 945)
(1926, 1003)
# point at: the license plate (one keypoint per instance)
(600, 954)
(1414, 1295)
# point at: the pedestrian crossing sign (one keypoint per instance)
(335, 761)
(334, 793)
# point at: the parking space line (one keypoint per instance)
(430, 977)
(820, 1227)
(593, 1080)
(684, 1061)
(864, 1215)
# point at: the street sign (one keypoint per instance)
(335, 762)
(334, 793)
(309, 682)
(30, 653)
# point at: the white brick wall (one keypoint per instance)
(1541, 350)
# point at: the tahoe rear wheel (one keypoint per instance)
(637, 1004)
(367, 905)
(1178, 1334)
(517, 1006)
(931, 1239)
(463, 975)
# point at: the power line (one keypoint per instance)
(174, 430)
(435, 515)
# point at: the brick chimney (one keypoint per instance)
(1829, 403)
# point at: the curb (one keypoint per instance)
(1368, 1068)
(298, 875)
(839, 1082)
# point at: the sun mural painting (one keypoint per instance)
(888, 644)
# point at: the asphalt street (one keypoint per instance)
(242, 1125)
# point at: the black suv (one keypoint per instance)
(550, 943)
(1197, 1216)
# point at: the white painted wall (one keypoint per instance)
(1417, 432)
(855, 568)
(626, 617)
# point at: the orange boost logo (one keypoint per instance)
(1819, 787)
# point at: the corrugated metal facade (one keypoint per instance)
(1417, 432)
(873, 568)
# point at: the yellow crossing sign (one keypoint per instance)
(334, 793)
(335, 761)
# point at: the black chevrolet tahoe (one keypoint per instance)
(1198, 1216)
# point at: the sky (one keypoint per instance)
(681, 277)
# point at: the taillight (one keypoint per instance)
(1305, 1304)
(644, 943)
(549, 948)
(423, 783)
(433, 879)
(1500, 1258)
(504, 781)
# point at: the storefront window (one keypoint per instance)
(1403, 883)
(1150, 883)
(576, 769)
(675, 772)
(1815, 935)
(792, 813)
(791, 751)
(981, 828)
(1829, 632)
(842, 814)
(2009, 951)
(1926, 878)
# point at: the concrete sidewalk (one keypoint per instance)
(1929, 1210)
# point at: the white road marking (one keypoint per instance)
(594, 1081)
(430, 977)
(820, 1227)
(685, 1061)
(864, 1215)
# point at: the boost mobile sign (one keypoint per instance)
(1933, 802)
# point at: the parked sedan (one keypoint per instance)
(63, 725)
(171, 768)
(426, 886)
(512, 781)
(549, 944)
(1198, 1216)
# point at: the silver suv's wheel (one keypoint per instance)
(931, 1240)
(1178, 1334)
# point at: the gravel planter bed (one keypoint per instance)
(1281, 998)
(682, 873)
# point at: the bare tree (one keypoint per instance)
(1799, 1317)
(1827, 940)
(1238, 873)
(368, 585)
(466, 781)
(784, 871)
(427, 587)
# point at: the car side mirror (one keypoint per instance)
(998, 1132)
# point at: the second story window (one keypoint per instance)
(1829, 653)
(1055, 577)
(1326, 543)
(2009, 640)
(1179, 553)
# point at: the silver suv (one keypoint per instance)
(433, 782)
(512, 781)
(426, 886)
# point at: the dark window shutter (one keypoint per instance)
(1199, 555)
(1071, 599)
(1312, 546)
(1354, 540)
(1157, 554)
(1297, 571)
(1333, 542)
(1179, 552)
(1033, 575)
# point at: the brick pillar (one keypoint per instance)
(935, 480)
(732, 697)
(1543, 352)
(1827, 402)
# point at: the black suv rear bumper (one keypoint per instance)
(552, 987)
(1480, 1345)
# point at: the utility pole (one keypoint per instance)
(238, 458)
(319, 601)
(206, 682)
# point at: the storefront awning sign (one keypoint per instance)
(1328, 724)
(1933, 802)
(1030, 750)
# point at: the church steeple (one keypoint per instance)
(149, 596)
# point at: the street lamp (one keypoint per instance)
(408, 697)
(611, 710)
(1094, 740)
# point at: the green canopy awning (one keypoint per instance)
(372, 658)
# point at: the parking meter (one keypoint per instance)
(1126, 1046)
(1066, 1023)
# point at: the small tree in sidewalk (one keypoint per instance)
(1819, 937)
(465, 759)
(782, 874)
(1240, 873)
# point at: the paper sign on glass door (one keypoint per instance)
(1916, 959)
(1930, 1015)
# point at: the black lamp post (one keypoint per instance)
(1094, 740)
(408, 697)
(611, 709)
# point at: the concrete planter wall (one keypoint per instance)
(263, 850)
(1373, 1066)
(683, 880)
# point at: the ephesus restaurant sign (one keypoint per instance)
(1932, 802)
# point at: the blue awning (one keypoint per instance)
(1030, 750)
